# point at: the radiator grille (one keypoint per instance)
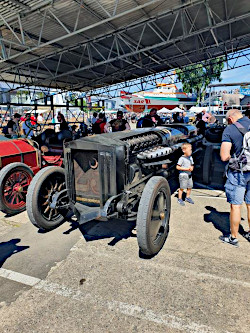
(86, 173)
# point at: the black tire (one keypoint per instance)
(39, 196)
(151, 240)
(207, 164)
(14, 182)
(214, 134)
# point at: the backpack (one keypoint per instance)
(140, 123)
(5, 130)
(84, 129)
(242, 162)
(96, 129)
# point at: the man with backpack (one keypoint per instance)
(235, 149)
(118, 124)
(98, 126)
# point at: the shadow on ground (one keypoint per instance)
(220, 220)
(9, 248)
(115, 228)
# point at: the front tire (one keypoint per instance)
(44, 185)
(15, 179)
(153, 216)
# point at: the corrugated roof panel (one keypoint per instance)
(99, 27)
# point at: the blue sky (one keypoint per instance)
(241, 74)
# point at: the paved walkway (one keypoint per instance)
(195, 284)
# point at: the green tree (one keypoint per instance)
(195, 78)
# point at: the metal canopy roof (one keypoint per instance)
(86, 44)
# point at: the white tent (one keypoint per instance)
(163, 110)
(176, 109)
(197, 109)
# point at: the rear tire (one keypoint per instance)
(214, 134)
(15, 179)
(207, 164)
(44, 185)
(153, 216)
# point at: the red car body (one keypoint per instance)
(20, 160)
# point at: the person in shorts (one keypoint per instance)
(237, 186)
(185, 166)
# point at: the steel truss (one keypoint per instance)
(146, 83)
(119, 54)
(233, 61)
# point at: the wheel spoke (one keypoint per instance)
(161, 202)
(13, 198)
(60, 187)
(157, 221)
(7, 191)
(50, 214)
(46, 209)
(19, 177)
(154, 228)
(17, 199)
(24, 181)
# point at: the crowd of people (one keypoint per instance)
(98, 123)
(235, 149)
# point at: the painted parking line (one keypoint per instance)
(126, 309)
(18, 277)
(208, 197)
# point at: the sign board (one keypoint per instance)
(245, 90)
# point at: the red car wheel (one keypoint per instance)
(15, 179)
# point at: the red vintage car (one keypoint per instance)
(20, 160)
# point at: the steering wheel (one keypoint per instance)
(37, 127)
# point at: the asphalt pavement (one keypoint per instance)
(93, 279)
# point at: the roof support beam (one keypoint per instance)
(60, 22)
(211, 21)
(123, 30)
(13, 32)
(20, 4)
(71, 34)
(21, 29)
(78, 15)
(115, 7)
(154, 46)
(3, 49)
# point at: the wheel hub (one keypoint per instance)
(18, 188)
(162, 215)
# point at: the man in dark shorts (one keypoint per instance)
(118, 124)
(237, 186)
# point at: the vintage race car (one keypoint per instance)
(20, 160)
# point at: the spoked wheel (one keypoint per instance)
(153, 216)
(45, 186)
(15, 179)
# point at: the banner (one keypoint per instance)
(245, 90)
